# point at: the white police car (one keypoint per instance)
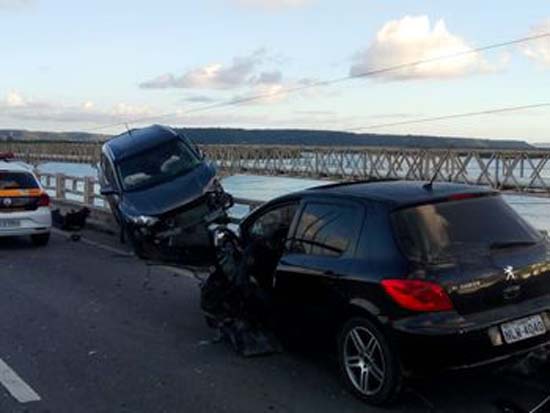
(24, 204)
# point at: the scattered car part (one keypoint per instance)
(232, 302)
(73, 220)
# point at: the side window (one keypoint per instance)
(108, 174)
(326, 229)
(274, 223)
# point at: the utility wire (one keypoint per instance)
(290, 90)
(452, 116)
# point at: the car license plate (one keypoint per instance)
(9, 223)
(523, 329)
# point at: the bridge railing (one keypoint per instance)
(82, 190)
(70, 192)
(524, 171)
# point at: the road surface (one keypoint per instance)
(85, 327)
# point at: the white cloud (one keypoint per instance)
(16, 106)
(539, 50)
(273, 4)
(14, 99)
(263, 93)
(21, 111)
(212, 76)
(268, 78)
(88, 105)
(412, 39)
(199, 99)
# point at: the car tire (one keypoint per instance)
(369, 366)
(40, 240)
(137, 246)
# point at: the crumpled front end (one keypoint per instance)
(181, 236)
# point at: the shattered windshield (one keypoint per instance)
(156, 165)
(454, 229)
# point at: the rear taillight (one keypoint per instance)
(43, 200)
(418, 295)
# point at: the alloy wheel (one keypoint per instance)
(364, 361)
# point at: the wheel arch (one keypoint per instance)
(361, 307)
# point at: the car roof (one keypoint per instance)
(138, 140)
(398, 193)
(14, 166)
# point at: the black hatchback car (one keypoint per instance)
(162, 192)
(409, 277)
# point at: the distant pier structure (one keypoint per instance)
(514, 170)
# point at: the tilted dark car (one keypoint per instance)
(163, 193)
(409, 277)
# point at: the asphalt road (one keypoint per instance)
(89, 329)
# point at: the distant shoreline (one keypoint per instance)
(301, 137)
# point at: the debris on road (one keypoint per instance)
(73, 220)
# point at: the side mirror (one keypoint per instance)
(109, 191)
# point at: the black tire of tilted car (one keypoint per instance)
(40, 240)
(393, 380)
(136, 245)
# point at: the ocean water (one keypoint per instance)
(534, 209)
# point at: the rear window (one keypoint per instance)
(452, 229)
(17, 180)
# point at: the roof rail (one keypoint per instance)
(357, 182)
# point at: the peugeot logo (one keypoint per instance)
(510, 274)
(7, 202)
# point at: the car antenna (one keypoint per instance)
(128, 129)
(429, 186)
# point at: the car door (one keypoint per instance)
(318, 253)
(264, 235)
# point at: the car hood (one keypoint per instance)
(165, 197)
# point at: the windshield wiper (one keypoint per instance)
(511, 244)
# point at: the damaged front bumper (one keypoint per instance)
(181, 236)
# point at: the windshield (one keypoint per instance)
(451, 229)
(156, 165)
(17, 180)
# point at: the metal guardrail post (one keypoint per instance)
(88, 193)
(60, 186)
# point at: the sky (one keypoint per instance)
(94, 66)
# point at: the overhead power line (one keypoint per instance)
(323, 83)
(452, 116)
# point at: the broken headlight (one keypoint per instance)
(213, 186)
(144, 221)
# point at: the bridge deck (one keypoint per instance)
(92, 329)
